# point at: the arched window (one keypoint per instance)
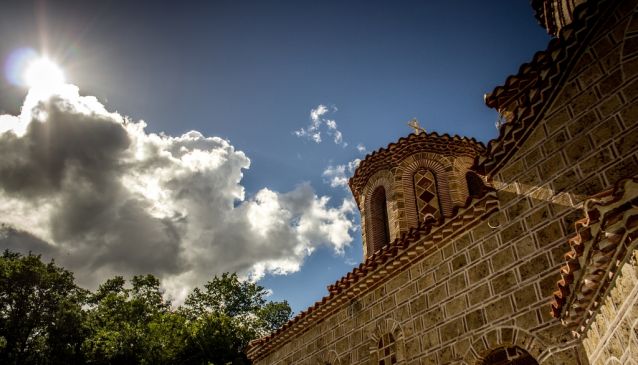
(475, 185)
(387, 350)
(509, 355)
(426, 195)
(379, 219)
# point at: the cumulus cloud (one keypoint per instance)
(338, 175)
(102, 196)
(317, 120)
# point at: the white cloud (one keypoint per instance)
(95, 191)
(317, 120)
(362, 148)
(337, 176)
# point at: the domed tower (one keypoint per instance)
(420, 178)
(553, 15)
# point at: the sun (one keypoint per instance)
(43, 74)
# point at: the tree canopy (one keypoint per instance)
(45, 318)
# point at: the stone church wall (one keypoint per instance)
(491, 285)
(613, 339)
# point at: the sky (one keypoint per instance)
(210, 136)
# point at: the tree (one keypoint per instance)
(225, 316)
(41, 317)
(133, 326)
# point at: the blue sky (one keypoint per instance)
(252, 71)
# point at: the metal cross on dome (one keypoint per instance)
(414, 124)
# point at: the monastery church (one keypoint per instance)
(523, 251)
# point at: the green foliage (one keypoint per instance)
(41, 317)
(46, 319)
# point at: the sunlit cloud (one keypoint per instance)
(97, 192)
(338, 175)
(316, 127)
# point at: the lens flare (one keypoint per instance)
(43, 74)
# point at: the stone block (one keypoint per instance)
(442, 272)
(533, 156)
(584, 101)
(590, 75)
(587, 188)
(499, 309)
(455, 306)
(516, 209)
(418, 304)
(432, 318)
(452, 329)
(583, 123)
(539, 216)
(525, 247)
(596, 162)
(625, 168)
(503, 259)
(555, 143)
(426, 281)
(459, 262)
(610, 83)
(463, 242)
(551, 165)
(475, 319)
(629, 114)
(431, 339)
(534, 266)
(437, 294)
(512, 232)
(479, 294)
(565, 180)
(527, 320)
(604, 132)
(549, 233)
(504, 282)
(631, 91)
(525, 297)
(628, 142)
(456, 283)
(610, 106)
(578, 149)
(490, 245)
(405, 293)
(474, 254)
(396, 282)
(514, 169)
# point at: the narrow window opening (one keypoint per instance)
(379, 219)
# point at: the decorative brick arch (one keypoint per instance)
(613, 361)
(384, 327)
(380, 179)
(505, 336)
(328, 357)
(629, 48)
(440, 167)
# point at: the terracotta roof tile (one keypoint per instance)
(524, 96)
(603, 239)
(389, 258)
(394, 153)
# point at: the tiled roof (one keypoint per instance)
(394, 153)
(603, 239)
(525, 96)
(416, 243)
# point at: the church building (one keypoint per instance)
(521, 251)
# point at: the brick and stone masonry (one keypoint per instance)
(519, 252)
